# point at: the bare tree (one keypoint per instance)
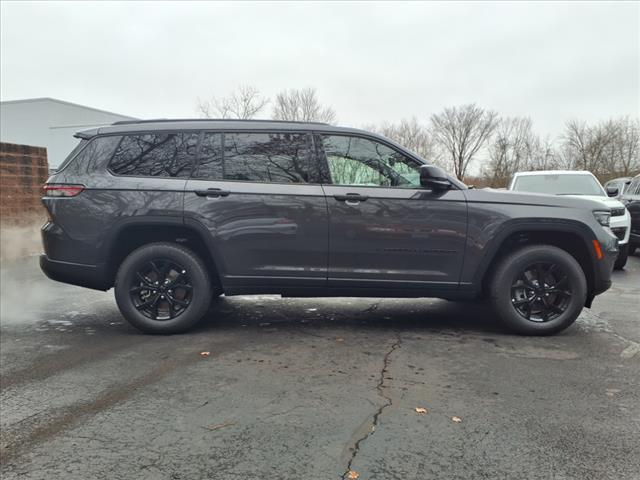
(461, 132)
(508, 150)
(542, 154)
(589, 147)
(627, 146)
(301, 105)
(244, 103)
(410, 134)
(516, 147)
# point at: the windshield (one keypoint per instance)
(555, 184)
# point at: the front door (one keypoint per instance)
(259, 197)
(385, 230)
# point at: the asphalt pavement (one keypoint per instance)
(314, 389)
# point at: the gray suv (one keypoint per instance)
(173, 213)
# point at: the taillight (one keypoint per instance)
(53, 190)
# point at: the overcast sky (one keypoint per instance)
(370, 61)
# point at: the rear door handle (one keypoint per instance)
(351, 198)
(212, 192)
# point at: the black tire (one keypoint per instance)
(621, 260)
(181, 265)
(512, 298)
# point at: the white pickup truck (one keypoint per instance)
(581, 184)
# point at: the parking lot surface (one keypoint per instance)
(314, 389)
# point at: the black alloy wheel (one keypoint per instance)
(541, 292)
(161, 289)
(538, 289)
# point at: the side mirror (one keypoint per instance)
(612, 191)
(434, 178)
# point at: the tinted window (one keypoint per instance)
(73, 153)
(156, 155)
(559, 184)
(95, 152)
(360, 161)
(210, 159)
(269, 157)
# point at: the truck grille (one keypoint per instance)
(617, 212)
(619, 232)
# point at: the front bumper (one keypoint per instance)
(621, 227)
(604, 266)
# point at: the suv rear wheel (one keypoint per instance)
(163, 288)
(538, 290)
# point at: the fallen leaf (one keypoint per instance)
(352, 475)
(219, 426)
(421, 410)
(205, 354)
(339, 339)
(456, 419)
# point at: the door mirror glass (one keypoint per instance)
(434, 178)
(612, 190)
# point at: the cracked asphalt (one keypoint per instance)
(314, 388)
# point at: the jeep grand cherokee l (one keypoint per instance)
(174, 213)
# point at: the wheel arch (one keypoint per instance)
(133, 234)
(570, 237)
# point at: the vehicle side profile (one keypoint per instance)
(582, 184)
(631, 200)
(175, 213)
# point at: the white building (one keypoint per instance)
(50, 123)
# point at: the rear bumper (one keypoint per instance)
(89, 276)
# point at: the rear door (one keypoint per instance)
(385, 230)
(258, 196)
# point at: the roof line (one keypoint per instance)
(64, 102)
(239, 120)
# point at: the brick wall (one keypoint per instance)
(23, 171)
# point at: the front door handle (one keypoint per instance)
(212, 192)
(351, 198)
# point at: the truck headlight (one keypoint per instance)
(603, 217)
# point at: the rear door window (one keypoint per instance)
(269, 157)
(156, 155)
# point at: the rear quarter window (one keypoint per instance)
(89, 155)
(156, 155)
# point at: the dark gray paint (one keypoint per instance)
(262, 232)
(287, 237)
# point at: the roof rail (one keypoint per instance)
(161, 120)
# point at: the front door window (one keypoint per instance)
(363, 162)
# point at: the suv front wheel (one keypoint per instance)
(163, 288)
(538, 290)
